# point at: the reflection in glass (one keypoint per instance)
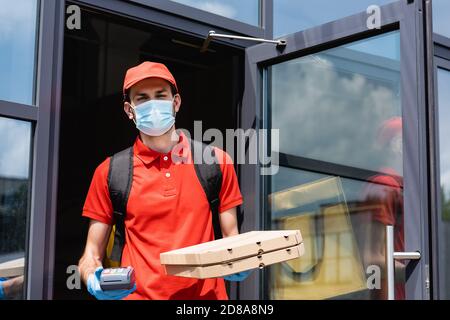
(441, 12)
(444, 225)
(293, 16)
(17, 50)
(341, 105)
(245, 11)
(14, 185)
(342, 222)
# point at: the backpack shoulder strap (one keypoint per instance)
(120, 177)
(210, 177)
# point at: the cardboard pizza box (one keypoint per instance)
(235, 266)
(232, 248)
(12, 265)
(226, 256)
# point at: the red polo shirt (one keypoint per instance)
(167, 209)
(386, 194)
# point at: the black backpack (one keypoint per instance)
(120, 178)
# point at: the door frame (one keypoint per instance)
(438, 273)
(264, 29)
(408, 17)
(41, 224)
(185, 19)
(440, 59)
(53, 15)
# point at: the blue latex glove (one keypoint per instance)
(2, 292)
(237, 277)
(93, 286)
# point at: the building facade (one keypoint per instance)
(352, 98)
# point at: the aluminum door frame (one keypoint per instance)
(408, 17)
(46, 118)
(437, 273)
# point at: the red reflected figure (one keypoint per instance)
(383, 201)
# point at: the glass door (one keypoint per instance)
(341, 105)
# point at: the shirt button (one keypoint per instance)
(168, 175)
(165, 158)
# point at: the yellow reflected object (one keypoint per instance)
(107, 262)
(306, 224)
(331, 265)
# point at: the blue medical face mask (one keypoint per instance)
(154, 117)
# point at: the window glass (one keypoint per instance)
(343, 223)
(441, 13)
(444, 223)
(14, 201)
(245, 11)
(18, 21)
(342, 105)
(293, 16)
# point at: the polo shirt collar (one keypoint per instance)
(148, 155)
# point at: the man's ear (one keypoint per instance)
(177, 102)
(128, 110)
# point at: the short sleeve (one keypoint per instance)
(383, 194)
(230, 195)
(98, 205)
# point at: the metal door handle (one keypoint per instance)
(391, 256)
(212, 34)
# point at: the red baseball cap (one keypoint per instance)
(389, 129)
(146, 70)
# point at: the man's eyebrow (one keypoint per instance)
(145, 95)
(163, 90)
(141, 94)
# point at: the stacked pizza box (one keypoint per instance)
(230, 255)
(12, 265)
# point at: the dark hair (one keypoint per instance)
(126, 96)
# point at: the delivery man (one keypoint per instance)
(167, 208)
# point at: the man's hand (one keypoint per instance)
(229, 225)
(237, 277)
(97, 240)
(93, 286)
